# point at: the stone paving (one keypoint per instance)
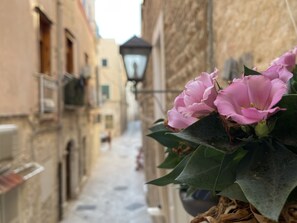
(115, 190)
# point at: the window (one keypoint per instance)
(104, 62)
(97, 119)
(44, 44)
(105, 92)
(108, 121)
(69, 53)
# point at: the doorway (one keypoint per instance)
(69, 151)
(60, 191)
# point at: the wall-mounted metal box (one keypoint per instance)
(8, 141)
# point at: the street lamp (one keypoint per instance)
(135, 53)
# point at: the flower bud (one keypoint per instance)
(262, 129)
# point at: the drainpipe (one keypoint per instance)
(210, 40)
(60, 76)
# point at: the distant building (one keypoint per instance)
(113, 103)
(49, 131)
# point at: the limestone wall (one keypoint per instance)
(43, 138)
(262, 28)
(200, 35)
(185, 28)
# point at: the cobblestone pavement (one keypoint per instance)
(115, 190)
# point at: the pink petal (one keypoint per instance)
(226, 106)
(272, 72)
(194, 92)
(254, 115)
(178, 121)
(258, 90)
(205, 79)
(285, 75)
(278, 89)
(287, 60)
(214, 74)
(236, 95)
(179, 100)
(240, 119)
(200, 109)
(209, 96)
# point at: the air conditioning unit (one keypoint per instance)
(48, 105)
(86, 71)
(8, 141)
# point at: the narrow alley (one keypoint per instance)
(115, 190)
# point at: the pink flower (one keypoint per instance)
(281, 67)
(250, 99)
(195, 101)
(178, 121)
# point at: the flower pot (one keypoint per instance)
(199, 202)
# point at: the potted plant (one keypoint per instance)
(198, 201)
(240, 143)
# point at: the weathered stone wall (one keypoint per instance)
(36, 143)
(17, 18)
(185, 49)
(262, 28)
(42, 138)
(203, 34)
(185, 43)
(150, 13)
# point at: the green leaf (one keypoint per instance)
(247, 71)
(159, 120)
(293, 81)
(171, 177)
(209, 172)
(293, 196)
(286, 126)
(159, 133)
(171, 160)
(164, 139)
(234, 192)
(267, 175)
(159, 126)
(208, 131)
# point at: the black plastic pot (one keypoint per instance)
(199, 202)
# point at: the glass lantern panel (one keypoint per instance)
(135, 66)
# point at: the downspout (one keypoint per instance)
(210, 39)
(60, 76)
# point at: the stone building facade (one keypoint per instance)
(113, 101)
(49, 131)
(190, 37)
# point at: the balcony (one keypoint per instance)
(74, 93)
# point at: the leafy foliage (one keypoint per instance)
(253, 162)
(272, 167)
(233, 168)
(171, 177)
